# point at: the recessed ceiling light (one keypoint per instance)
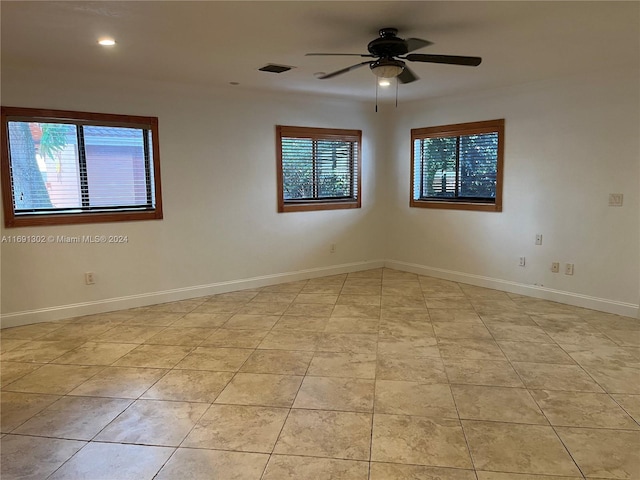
(107, 42)
(234, 83)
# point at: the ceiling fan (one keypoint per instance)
(390, 53)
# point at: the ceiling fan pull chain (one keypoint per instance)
(397, 92)
(376, 95)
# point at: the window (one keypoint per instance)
(318, 168)
(458, 166)
(61, 167)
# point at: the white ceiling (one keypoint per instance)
(214, 42)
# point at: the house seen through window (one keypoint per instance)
(69, 167)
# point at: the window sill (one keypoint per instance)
(307, 207)
(456, 205)
(79, 218)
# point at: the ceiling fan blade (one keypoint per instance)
(338, 55)
(407, 76)
(344, 70)
(417, 43)
(448, 59)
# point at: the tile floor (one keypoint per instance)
(374, 375)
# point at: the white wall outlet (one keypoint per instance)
(568, 269)
(555, 267)
(615, 199)
(332, 248)
(88, 278)
(539, 239)
(522, 261)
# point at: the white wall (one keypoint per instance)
(220, 222)
(568, 144)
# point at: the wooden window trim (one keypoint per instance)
(461, 129)
(78, 118)
(318, 134)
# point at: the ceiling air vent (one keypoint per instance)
(274, 68)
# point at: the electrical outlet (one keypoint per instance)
(555, 267)
(539, 239)
(88, 278)
(615, 199)
(522, 261)
(568, 269)
(332, 248)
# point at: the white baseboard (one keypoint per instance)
(569, 298)
(132, 301)
(145, 299)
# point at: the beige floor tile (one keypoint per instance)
(631, 403)
(347, 342)
(128, 334)
(412, 369)
(30, 332)
(461, 330)
(350, 365)
(497, 404)
(261, 389)
(580, 409)
(592, 339)
(92, 353)
(417, 346)
(290, 340)
(411, 301)
(518, 333)
(606, 356)
(326, 299)
(274, 297)
(308, 324)
(284, 362)
(394, 471)
(45, 456)
(189, 386)
(604, 453)
(626, 338)
(309, 310)
(482, 372)
(251, 322)
(83, 331)
(535, 352)
(542, 376)
(616, 379)
(40, 351)
(155, 319)
(359, 300)
(406, 327)
(238, 427)
(412, 398)
(336, 393)
(7, 344)
(401, 289)
(211, 319)
(74, 418)
(154, 422)
(448, 315)
(215, 359)
(179, 306)
(119, 382)
(319, 433)
(154, 356)
(356, 311)
(404, 313)
(509, 447)
(419, 441)
(99, 461)
(455, 303)
(54, 379)
(180, 336)
(470, 348)
(520, 476)
(12, 371)
(235, 338)
(355, 289)
(213, 465)
(352, 325)
(294, 287)
(322, 289)
(509, 318)
(287, 467)
(242, 296)
(264, 309)
(16, 408)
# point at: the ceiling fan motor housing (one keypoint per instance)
(388, 44)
